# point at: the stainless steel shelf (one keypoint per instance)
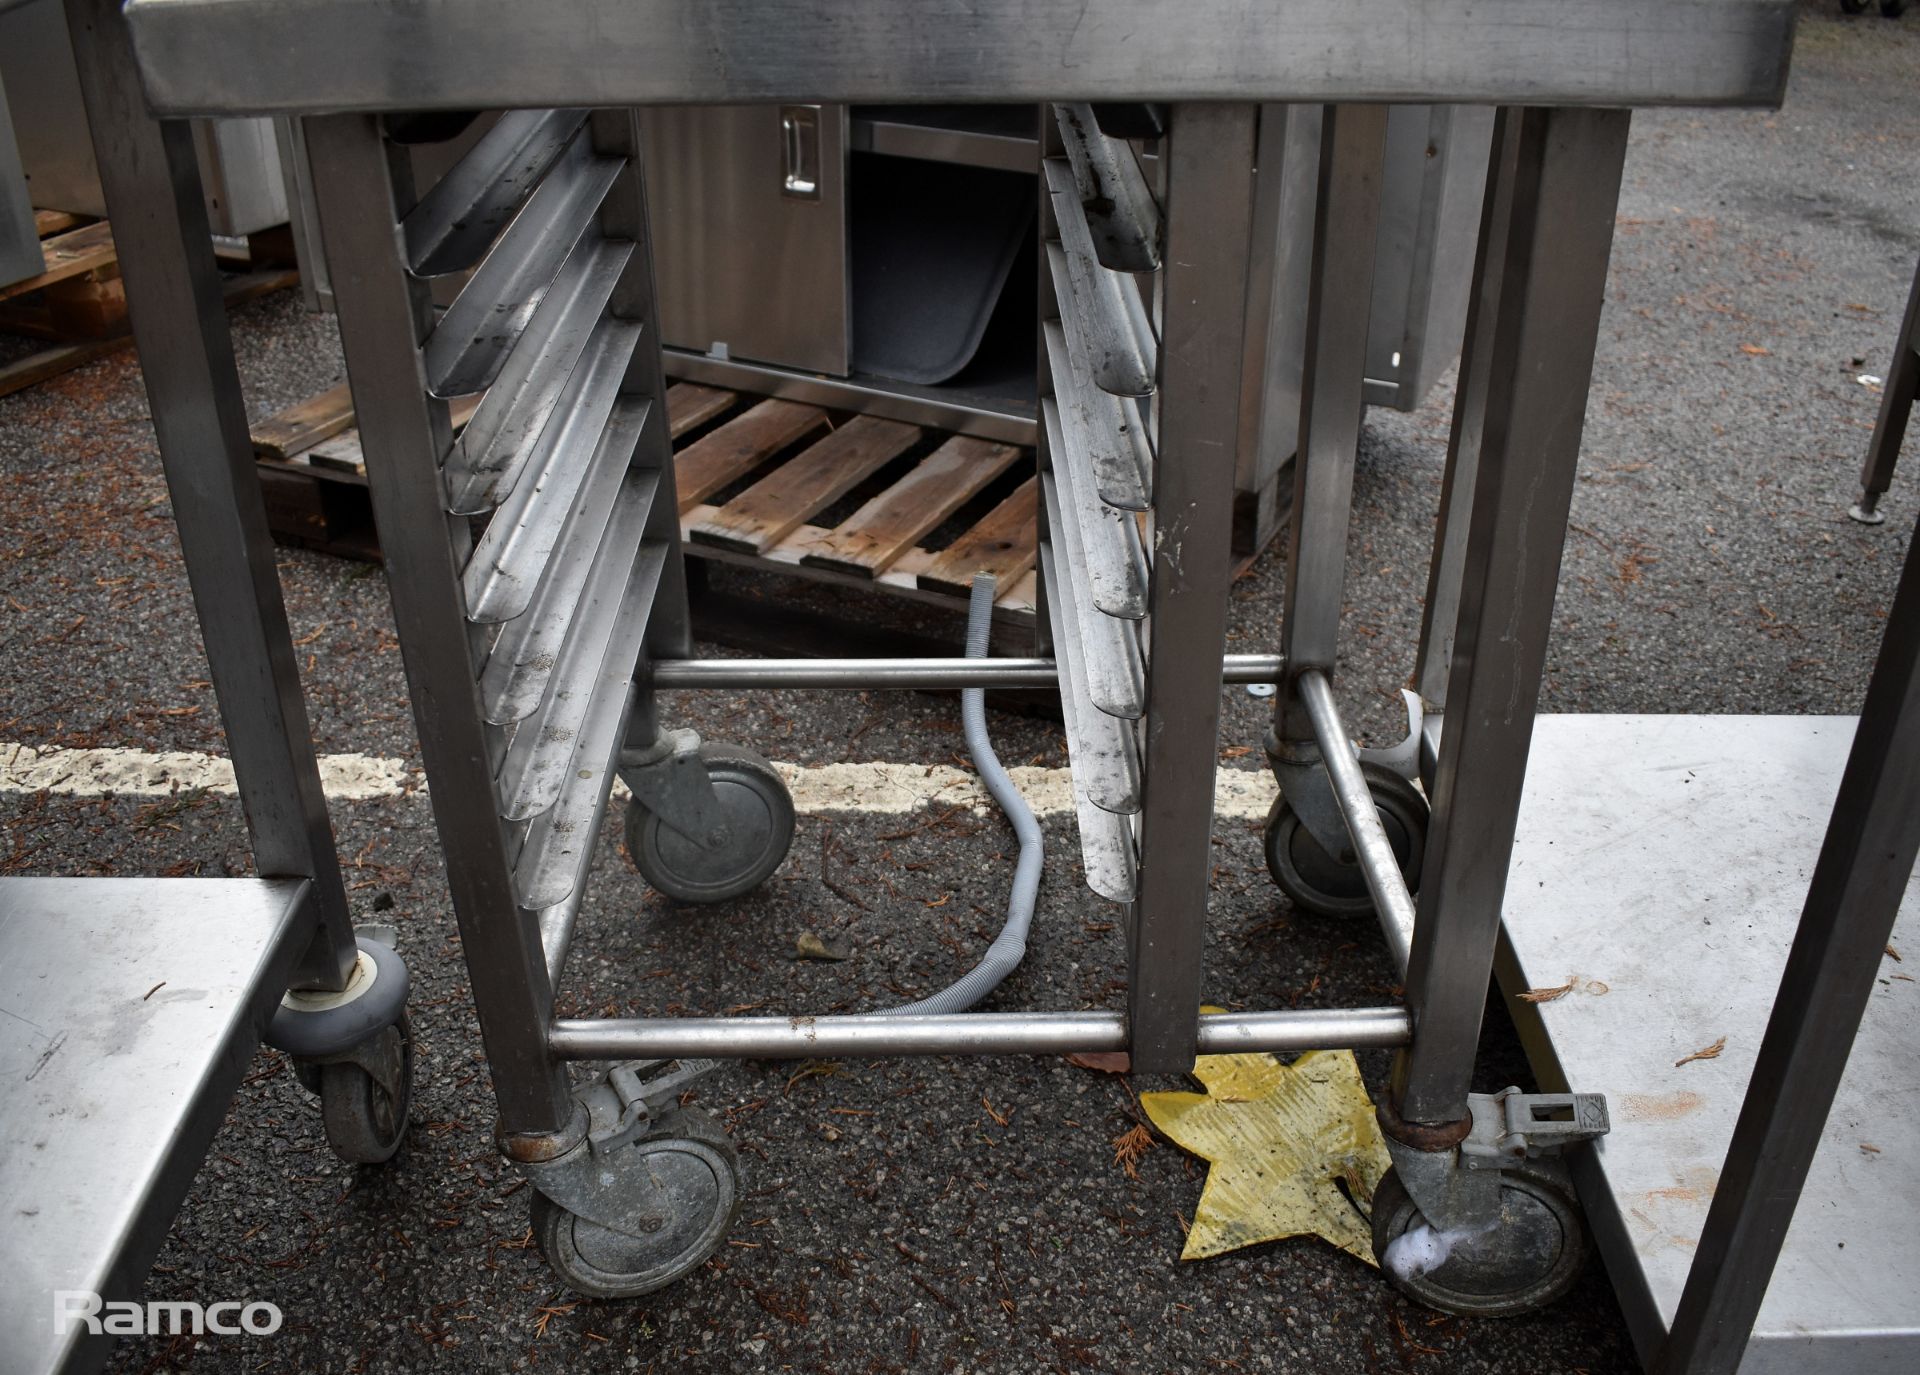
(128, 1010)
(1661, 863)
(958, 136)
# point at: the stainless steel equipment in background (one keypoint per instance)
(46, 154)
(760, 226)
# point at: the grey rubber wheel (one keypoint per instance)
(693, 1198)
(1893, 9)
(759, 813)
(366, 1122)
(1317, 881)
(1530, 1259)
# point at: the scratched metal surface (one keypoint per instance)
(1660, 866)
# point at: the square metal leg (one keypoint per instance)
(151, 177)
(1209, 213)
(1561, 169)
(405, 433)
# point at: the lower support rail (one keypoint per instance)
(1378, 863)
(965, 1033)
(907, 673)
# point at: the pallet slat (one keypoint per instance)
(869, 540)
(811, 481)
(740, 446)
(298, 428)
(689, 406)
(1004, 544)
(68, 255)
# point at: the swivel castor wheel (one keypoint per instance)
(1335, 887)
(758, 812)
(354, 1049)
(1520, 1264)
(679, 1199)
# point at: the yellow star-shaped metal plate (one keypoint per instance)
(1282, 1139)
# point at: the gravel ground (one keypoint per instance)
(893, 1220)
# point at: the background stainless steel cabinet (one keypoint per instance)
(749, 210)
(239, 162)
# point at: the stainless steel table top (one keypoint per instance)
(128, 1009)
(1659, 871)
(280, 56)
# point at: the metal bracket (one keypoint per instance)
(1301, 772)
(1302, 775)
(670, 779)
(1459, 1188)
(1403, 758)
(1512, 1125)
(596, 1179)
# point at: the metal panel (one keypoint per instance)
(239, 159)
(128, 1010)
(1430, 198)
(20, 255)
(756, 273)
(368, 54)
(1666, 858)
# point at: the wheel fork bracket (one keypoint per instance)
(1458, 1187)
(596, 1178)
(670, 780)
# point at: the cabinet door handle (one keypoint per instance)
(800, 151)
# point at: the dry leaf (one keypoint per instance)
(1868, 1148)
(1106, 1061)
(1711, 1052)
(1895, 953)
(1754, 350)
(1128, 1148)
(1547, 995)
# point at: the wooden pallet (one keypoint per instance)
(763, 483)
(79, 304)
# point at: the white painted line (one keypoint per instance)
(871, 787)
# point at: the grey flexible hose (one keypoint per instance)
(1010, 946)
